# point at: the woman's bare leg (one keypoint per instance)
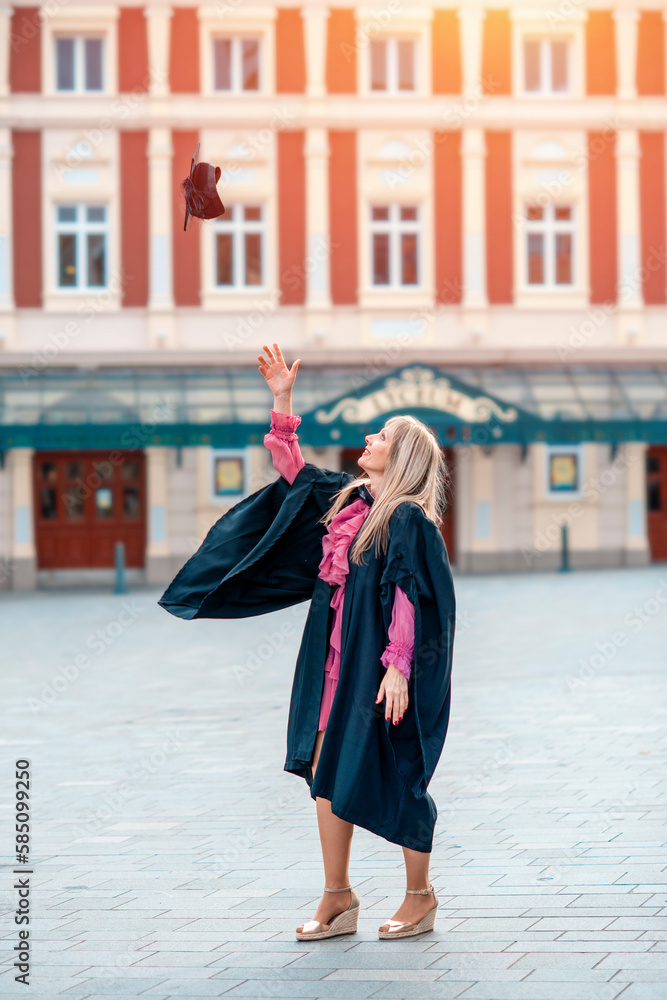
(413, 908)
(336, 840)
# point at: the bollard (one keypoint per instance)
(120, 587)
(564, 565)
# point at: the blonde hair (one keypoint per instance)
(415, 470)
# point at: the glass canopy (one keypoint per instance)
(230, 406)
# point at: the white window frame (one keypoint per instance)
(564, 449)
(81, 228)
(391, 43)
(395, 227)
(545, 89)
(79, 39)
(92, 21)
(233, 222)
(236, 75)
(243, 22)
(402, 22)
(229, 498)
(549, 227)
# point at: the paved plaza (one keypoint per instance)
(173, 856)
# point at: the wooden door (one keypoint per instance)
(85, 503)
(656, 500)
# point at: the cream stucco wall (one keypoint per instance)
(507, 521)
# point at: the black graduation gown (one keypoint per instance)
(263, 555)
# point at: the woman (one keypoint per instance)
(370, 699)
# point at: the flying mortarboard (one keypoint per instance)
(201, 195)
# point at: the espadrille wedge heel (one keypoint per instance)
(342, 923)
(401, 928)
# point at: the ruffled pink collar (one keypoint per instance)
(342, 529)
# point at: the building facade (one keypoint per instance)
(456, 211)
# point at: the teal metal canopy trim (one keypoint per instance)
(126, 437)
(130, 436)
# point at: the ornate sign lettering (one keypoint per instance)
(416, 387)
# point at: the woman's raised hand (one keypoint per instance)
(279, 377)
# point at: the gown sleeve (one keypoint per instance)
(401, 633)
(283, 444)
(417, 563)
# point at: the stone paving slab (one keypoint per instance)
(100, 987)
(552, 974)
(606, 935)
(639, 975)
(439, 990)
(277, 974)
(648, 960)
(397, 975)
(260, 989)
(645, 991)
(549, 960)
(173, 856)
(586, 911)
(569, 947)
(166, 988)
(533, 990)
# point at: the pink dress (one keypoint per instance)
(283, 444)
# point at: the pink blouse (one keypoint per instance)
(283, 444)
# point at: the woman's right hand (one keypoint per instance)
(279, 377)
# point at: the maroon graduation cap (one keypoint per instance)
(201, 194)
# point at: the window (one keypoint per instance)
(392, 65)
(79, 64)
(549, 245)
(394, 245)
(239, 247)
(546, 65)
(81, 246)
(236, 64)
